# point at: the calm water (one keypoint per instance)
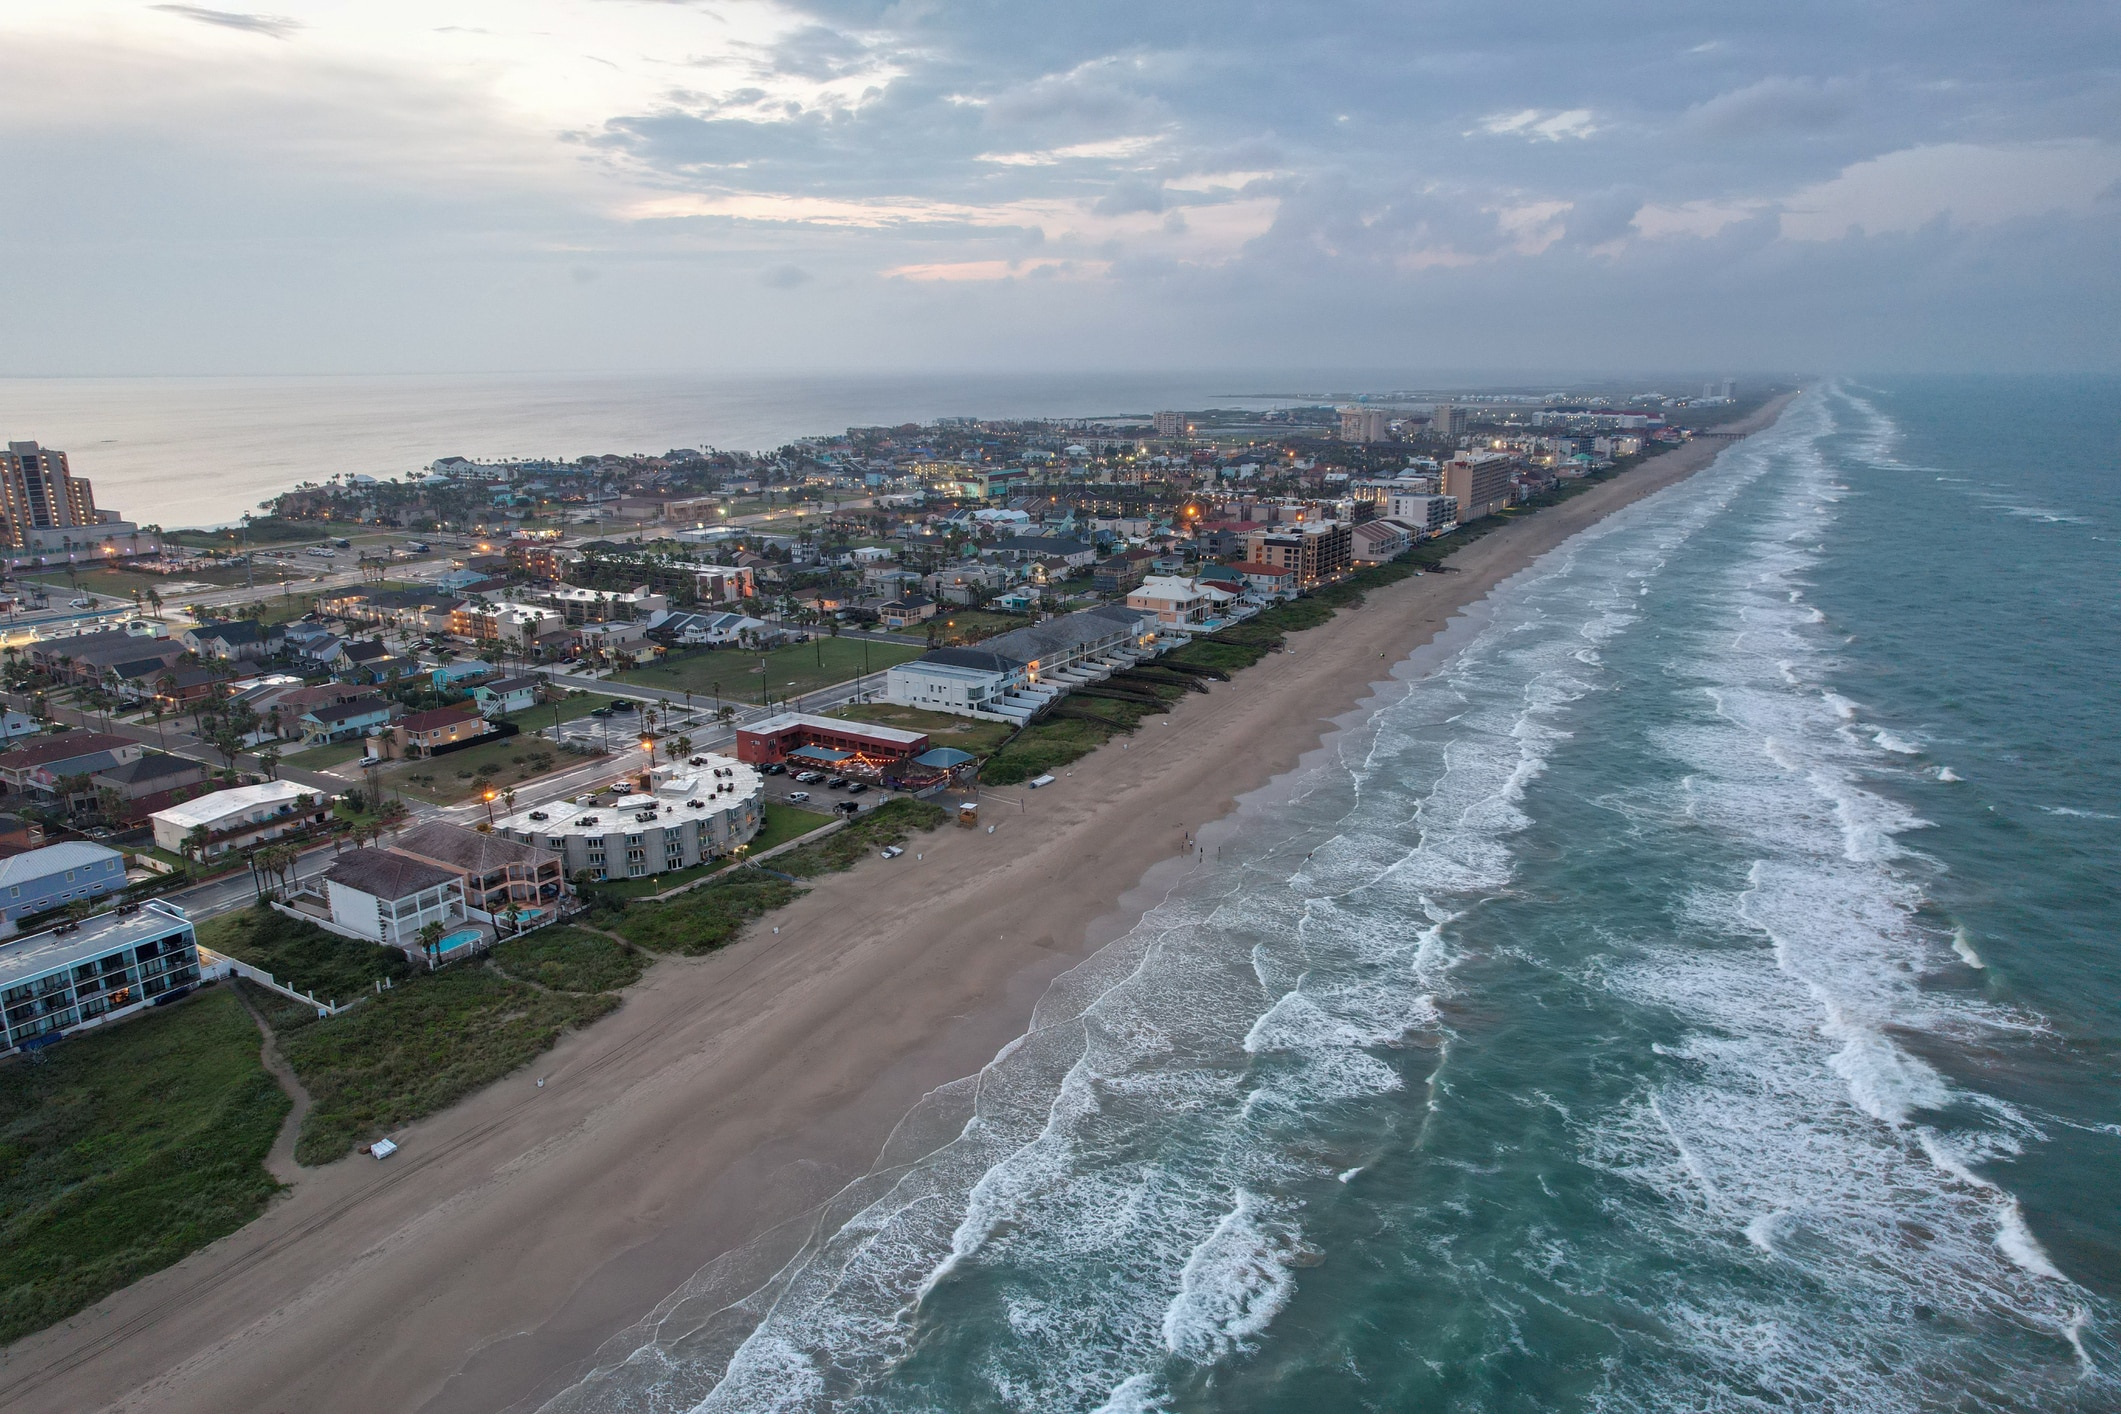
(203, 451)
(1697, 994)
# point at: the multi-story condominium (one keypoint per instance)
(36, 493)
(689, 815)
(1480, 484)
(1315, 550)
(494, 870)
(59, 982)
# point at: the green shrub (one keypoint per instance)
(704, 918)
(417, 1048)
(570, 960)
(301, 954)
(889, 823)
(128, 1148)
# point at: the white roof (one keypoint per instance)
(223, 803)
(52, 859)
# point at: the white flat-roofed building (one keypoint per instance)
(1377, 541)
(246, 815)
(1422, 513)
(689, 815)
(54, 983)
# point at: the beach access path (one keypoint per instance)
(510, 1236)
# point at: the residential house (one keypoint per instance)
(57, 875)
(493, 870)
(503, 696)
(37, 763)
(235, 640)
(389, 898)
(241, 817)
(425, 733)
(693, 630)
(1017, 549)
(1122, 572)
(1267, 581)
(14, 724)
(1179, 603)
(349, 720)
(1016, 674)
(905, 613)
(148, 783)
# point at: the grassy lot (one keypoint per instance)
(499, 764)
(418, 1048)
(890, 823)
(570, 960)
(566, 709)
(962, 733)
(704, 919)
(1044, 746)
(960, 626)
(318, 758)
(303, 955)
(129, 1148)
(821, 662)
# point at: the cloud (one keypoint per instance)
(785, 277)
(276, 26)
(1778, 103)
(1964, 184)
(1540, 125)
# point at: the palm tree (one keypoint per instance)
(431, 944)
(195, 843)
(269, 758)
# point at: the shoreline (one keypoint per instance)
(515, 1233)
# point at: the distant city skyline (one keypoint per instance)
(624, 186)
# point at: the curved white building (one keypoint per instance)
(692, 815)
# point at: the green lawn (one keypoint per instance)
(962, 733)
(319, 758)
(302, 955)
(570, 960)
(566, 709)
(497, 765)
(789, 672)
(417, 1048)
(127, 1149)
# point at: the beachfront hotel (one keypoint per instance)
(688, 815)
(56, 983)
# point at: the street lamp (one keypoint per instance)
(489, 810)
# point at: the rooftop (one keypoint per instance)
(380, 873)
(223, 803)
(790, 721)
(45, 952)
(467, 849)
(52, 859)
(66, 746)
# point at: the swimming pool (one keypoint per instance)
(461, 938)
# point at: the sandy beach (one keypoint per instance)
(479, 1268)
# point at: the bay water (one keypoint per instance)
(1694, 986)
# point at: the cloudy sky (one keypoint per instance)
(409, 185)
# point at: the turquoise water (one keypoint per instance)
(1696, 992)
(461, 938)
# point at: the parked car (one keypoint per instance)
(622, 704)
(810, 778)
(848, 807)
(773, 768)
(856, 788)
(892, 851)
(80, 603)
(798, 795)
(836, 783)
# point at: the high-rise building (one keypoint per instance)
(1365, 425)
(1447, 421)
(1480, 485)
(1170, 424)
(36, 493)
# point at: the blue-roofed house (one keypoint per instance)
(57, 875)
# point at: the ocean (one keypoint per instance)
(205, 451)
(1693, 987)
